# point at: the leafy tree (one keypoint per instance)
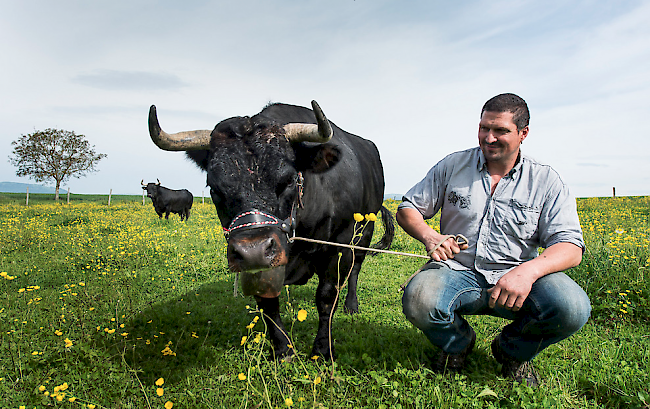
(54, 154)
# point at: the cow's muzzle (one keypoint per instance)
(257, 249)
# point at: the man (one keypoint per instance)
(507, 205)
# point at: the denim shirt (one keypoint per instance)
(531, 208)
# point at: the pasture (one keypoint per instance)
(110, 307)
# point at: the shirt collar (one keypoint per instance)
(482, 163)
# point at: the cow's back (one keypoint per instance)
(355, 184)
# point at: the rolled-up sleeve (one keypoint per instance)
(425, 195)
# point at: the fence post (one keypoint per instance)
(68, 195)
(109, 196)
(614, 192)
(27, 199)
(142, 197)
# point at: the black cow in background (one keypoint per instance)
(285, 170)
(169, 201)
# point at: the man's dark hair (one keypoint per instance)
(509, 103)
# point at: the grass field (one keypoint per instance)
(110, 307)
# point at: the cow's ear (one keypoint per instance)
(317, 159)
(199, 157)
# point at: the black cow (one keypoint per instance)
(286, 171)
(169, 201)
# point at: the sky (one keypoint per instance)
(411, 76)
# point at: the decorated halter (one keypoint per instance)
(253, 218)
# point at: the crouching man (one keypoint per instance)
(507, 205)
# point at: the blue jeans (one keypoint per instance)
(437, 298)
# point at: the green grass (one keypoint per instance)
(141, 299)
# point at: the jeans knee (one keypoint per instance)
(422, 306)
(562, 301)
(573, 312)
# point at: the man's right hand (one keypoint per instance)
(446, 250)
(413, 223)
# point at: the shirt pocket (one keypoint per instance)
(521, 220)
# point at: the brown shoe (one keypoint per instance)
(452, 362)
(519, 371)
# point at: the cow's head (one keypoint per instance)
(151, 188)
(254, 167)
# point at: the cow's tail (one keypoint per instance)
(389, 230)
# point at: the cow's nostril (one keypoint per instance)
(253, 254)
(270, 247)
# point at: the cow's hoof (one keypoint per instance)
(351, 309)
(324, 352)
(284, 356)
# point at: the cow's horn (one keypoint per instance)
(158, 181)
(181, 141)
(320, 133)
(142, 182)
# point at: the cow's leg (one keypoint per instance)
(167, 215)
(275, 327)
(325, 296)
(351, 305)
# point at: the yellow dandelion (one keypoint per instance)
(160, 382)
(90, 406)
(314, 358)
(243, 340)
(72, 399)
(358, 217)
(68, 343)
(371, 217)
(41, 388)
(160, 391)
(317, 380)
(302, 315)
(250, 326)
(241, 377)
(288, 402)
(168, 405)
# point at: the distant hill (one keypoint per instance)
(393, 196)
(14, 187)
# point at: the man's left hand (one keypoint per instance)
(512, 289)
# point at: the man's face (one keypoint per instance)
(499, 139)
